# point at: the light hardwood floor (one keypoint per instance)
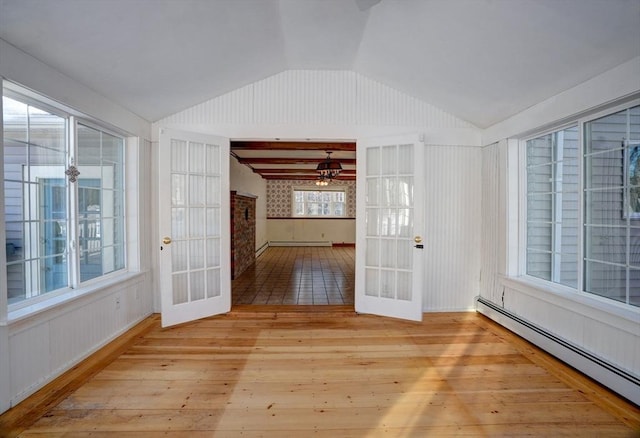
(321, 371)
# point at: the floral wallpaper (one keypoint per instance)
(279, 195)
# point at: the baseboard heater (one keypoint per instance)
(606, 373)
(299, 243)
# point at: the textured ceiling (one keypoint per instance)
(481, 60)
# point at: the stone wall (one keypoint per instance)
(243, 233)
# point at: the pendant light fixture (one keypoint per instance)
(329, 169)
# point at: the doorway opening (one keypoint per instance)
(309, 259)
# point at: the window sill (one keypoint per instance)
(74, 297)
(589, 305)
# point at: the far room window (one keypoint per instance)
(63, 200)
(319, 203)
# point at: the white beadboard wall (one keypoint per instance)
(338, 101)
(452, 239)
(43, 348)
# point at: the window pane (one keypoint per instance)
(612, 215)
(35, 200)
(101, 235)
(553, 206)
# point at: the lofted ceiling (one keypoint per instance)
(480, 60)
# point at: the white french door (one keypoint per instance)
(195, 266)
(389, 227)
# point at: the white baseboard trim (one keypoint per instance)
(262, 249)
(604, 372)
(300, 243)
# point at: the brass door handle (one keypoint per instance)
(166, 240)
(417, 239)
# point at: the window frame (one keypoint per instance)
(339, 189)
(76, 287)
(580, 121)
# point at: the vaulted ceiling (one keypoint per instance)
(481, 60)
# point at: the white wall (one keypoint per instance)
(452, 236)
(601, 327)
(311, 230)
(37, 347)
(303, 104)
(244, 180)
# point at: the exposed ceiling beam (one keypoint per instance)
(263, 171)
(292, 146)
(308, 177)
(260, 160)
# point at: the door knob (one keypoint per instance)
(417, 239)
(166, 240)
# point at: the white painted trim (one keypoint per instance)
(132, 203)
(603, 372)
(5, 370)
(262, 249)
(468, 137)
(513, 185)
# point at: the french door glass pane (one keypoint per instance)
(180, 286)
(179, 255)
(213, 283)
(196, 221)
(389, 221)
(197, 285)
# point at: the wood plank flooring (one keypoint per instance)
(276, 371)
(298, 275)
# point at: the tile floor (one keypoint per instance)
(298, 275)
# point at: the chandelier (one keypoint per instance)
(329, 168)
(321, 181)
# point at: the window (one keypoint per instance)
(319, 203)
(552, 206)
(60, 231)
(584, 232)
(612, 206)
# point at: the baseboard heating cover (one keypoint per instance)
(606, 373)
(299, 243)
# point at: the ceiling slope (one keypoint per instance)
(481, 60)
